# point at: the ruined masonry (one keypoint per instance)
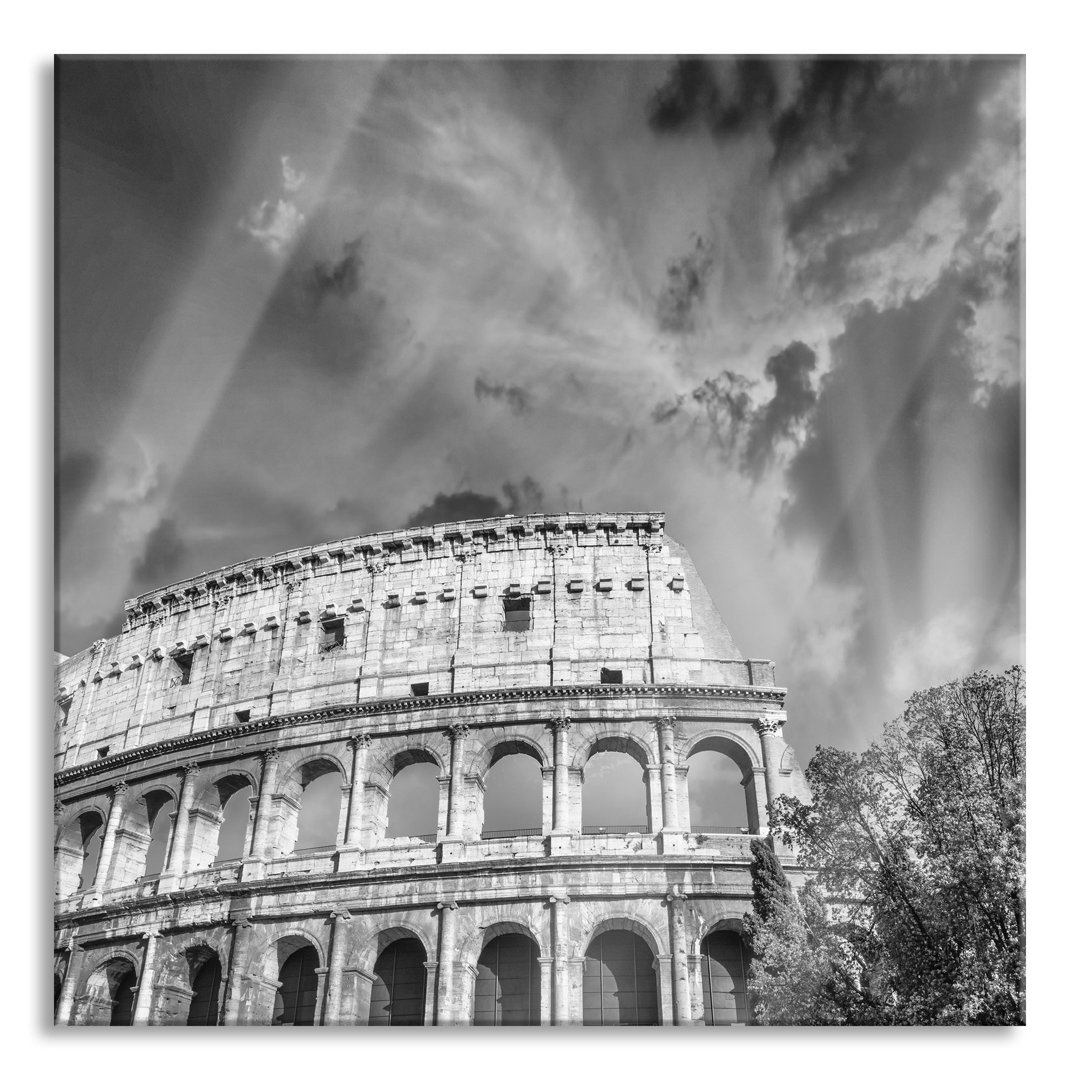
(554, 636)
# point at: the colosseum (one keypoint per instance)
(199, 883)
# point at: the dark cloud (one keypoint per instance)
(524, 498)
(75, 474)
(727, 96)
(162, 558)
(790, 404)
(340, 279)
(514, 396)
(684, 290)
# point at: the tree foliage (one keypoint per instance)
(915, 911)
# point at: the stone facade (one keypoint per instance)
(556, 636)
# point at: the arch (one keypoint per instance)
(391, 763)
(368, 953)
(399, 989)
(310, 821)
(724, 964)
(513, 794)
(484, 935)
(142, 841)
(205, 980)
(624, 921)
(220, 831)
(490, 753)
(614, 741)
(620, 980)
(409, 807)
(297, 998)
(615, 792)
(733, 748)
(716, 793)
(110, 992)
(506, 991)
(77, 850)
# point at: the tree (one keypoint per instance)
(915, 914)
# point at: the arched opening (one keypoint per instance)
(724, 962)
(58, 986)
(615, 796)
(232, 833)
(92, 830)
(77, 850)
(507, 988)
(206, 987)
(720, 787)
(619, 983)
(310, 808)
(513, 796)
(397, 995)
(717, 795)
(160, 808)
(110, 994)
(414, 801)
(297, 996)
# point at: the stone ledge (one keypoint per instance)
(775, 694)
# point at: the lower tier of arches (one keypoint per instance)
(676, 958)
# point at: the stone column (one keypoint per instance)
(261, 832)
(671, 835)
(547, 964)
(680, 968)
(238, 962)
(108, 841)
(769, 728)
(145, 990)
(560, 726)
(71, 979)
(354, 824)
(561, 1012)
(338, 948)
(432, 969)
(456, 733)
(174, 866)
(444, 1008)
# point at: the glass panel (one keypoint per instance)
(397, 996)
(620, 984)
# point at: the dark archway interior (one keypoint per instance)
(397, 995)
(619, 987)
(295, 1000)
(507, 983)
(723, 978)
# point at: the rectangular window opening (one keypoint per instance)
(419, 689)
(103, 751)
(243, 716)
(333, 635)
(517, 613)
(610, 675)
(182, 668)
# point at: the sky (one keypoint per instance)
(779, 300)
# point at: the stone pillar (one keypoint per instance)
(338, 948)
(769, 728)
(560, 726)
(175, 865)
(67, 991)
(108, 841)
(260, 834)
(238, 962)
(559, 949)
(354, 824)
(444, 1008)
(432, 968)
(547, 964)
(145, 989)
(671, 835)
(680, 968)
(457, 734)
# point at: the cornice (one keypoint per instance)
(756, 694)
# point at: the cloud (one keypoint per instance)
(780, 417)
(291, 179)
(685, 289)
(524, 498)
(74, 476)
(162, 557)
(514, 396)
(274, 225)
(727, 96)
(341, 278)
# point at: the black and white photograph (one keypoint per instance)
(539, 541)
